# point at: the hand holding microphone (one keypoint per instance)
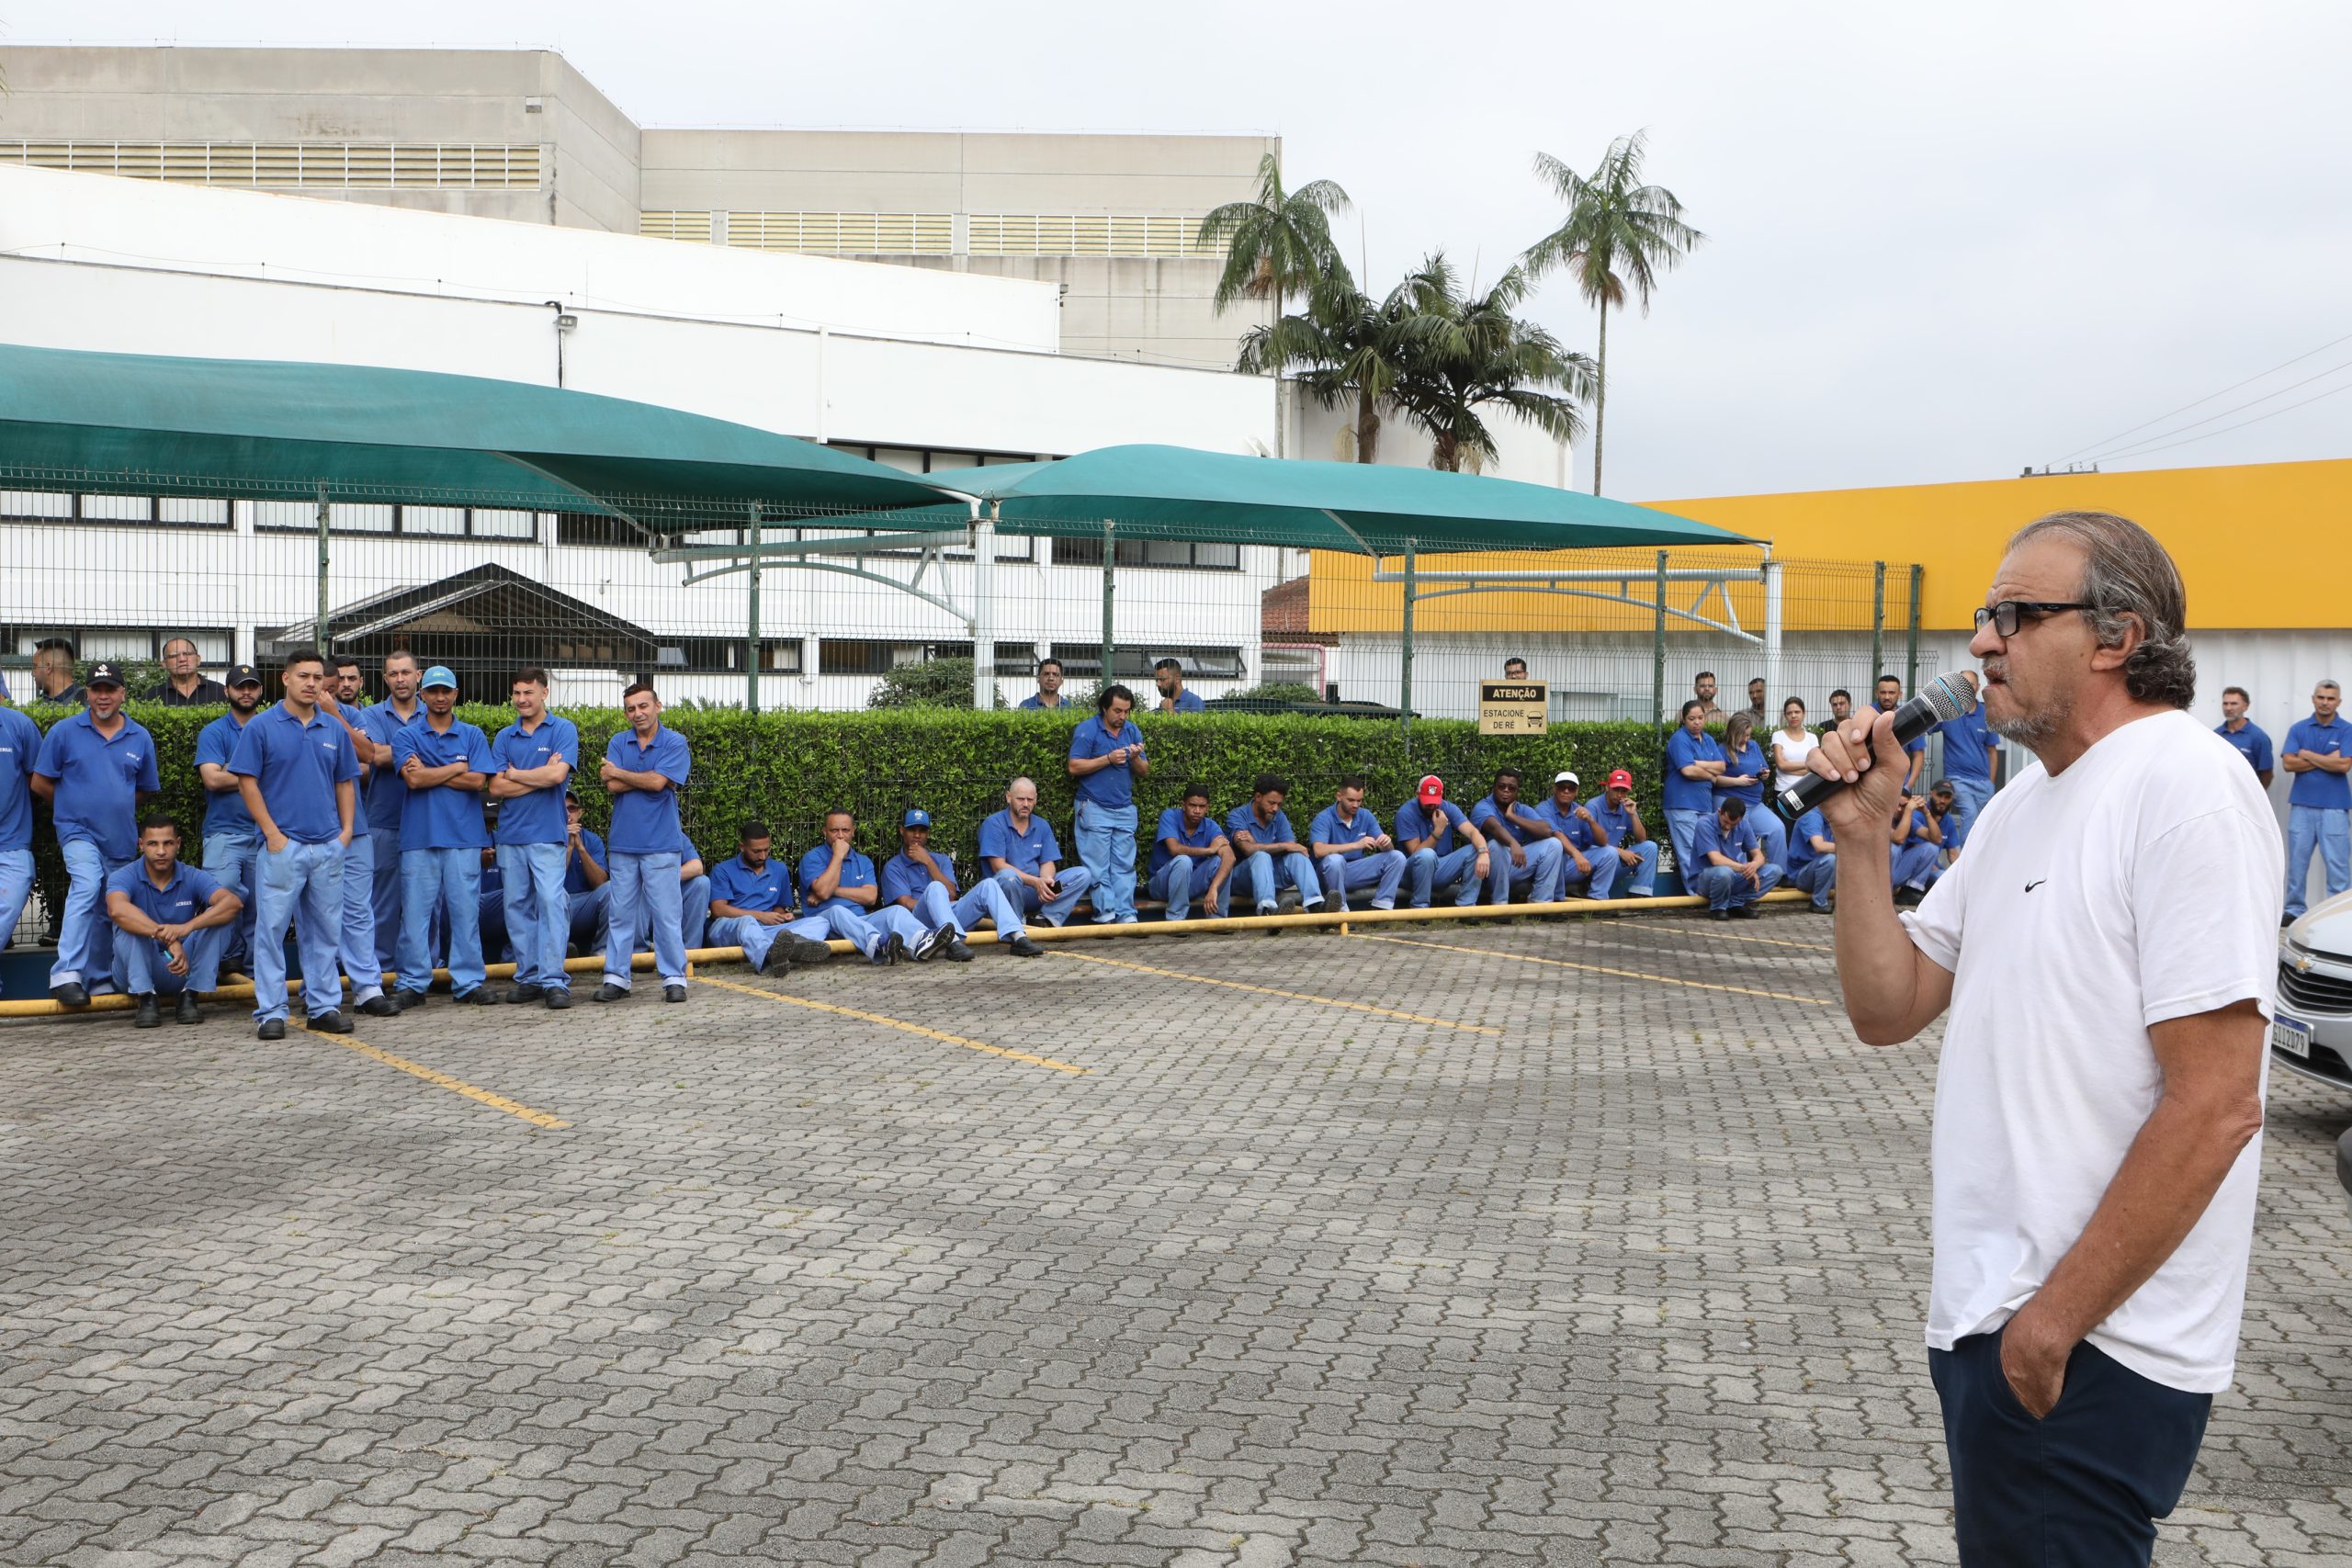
(1860, 768)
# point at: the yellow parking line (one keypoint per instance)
(897, 1023)
(1708, 933)
(1595, 968)
(1271, 991)
(443, 1080)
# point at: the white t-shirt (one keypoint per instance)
(2139, 886)
(1788, 758)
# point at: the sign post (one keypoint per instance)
(1513, 707)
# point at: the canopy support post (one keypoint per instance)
(752, 619)
(321, 637)
(1109, 558)
(1405, 677)
(1772, 590)
(1657, 655)
(983, 609)
(1911, 650)
(1878, 619)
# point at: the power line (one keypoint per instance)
(2208, 398)
(2239, 408)
(2241, 424)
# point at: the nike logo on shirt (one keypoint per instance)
(2032, 886)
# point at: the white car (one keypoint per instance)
(2311, 1034)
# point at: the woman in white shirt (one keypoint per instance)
(1791, 744)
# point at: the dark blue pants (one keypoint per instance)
(2081, 1488)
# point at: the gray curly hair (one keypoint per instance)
(2128, 577)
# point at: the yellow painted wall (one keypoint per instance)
(2261, 546)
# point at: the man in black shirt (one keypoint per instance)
(53, 675)
(187, 688)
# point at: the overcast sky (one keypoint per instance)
(1943, 242)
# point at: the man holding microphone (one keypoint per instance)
(2105, 953)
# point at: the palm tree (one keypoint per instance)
(1617, 232)
(1346, 346)
(1278, 245)
(1466, 353)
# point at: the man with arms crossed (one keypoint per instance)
(300, 780)
(230, 840)
(643, 766)
(387, 793)
(171, 921)
(2319, 803)
(340, 700)
(2099, 1102)
(446, 763)
(534, 757)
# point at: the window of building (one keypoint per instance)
(1195, 555)
(721, 656)
(384, 517)
(213, 645)
(345, 165)
(61, 506)
(1085, 659)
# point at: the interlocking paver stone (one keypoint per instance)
(1635, 1278)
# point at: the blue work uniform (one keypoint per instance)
(531, 836)
(19, 750)
(1267, 872)
(1916, 862)
(1345, 871)
(1815, 871)
(231, 843)
(844, 917)
(442, 838)
(1033, 704)
(1750, 764)
(1587, 841)
(1686, 800)
(1106, 816)
(1638, 880)
(1722, 886)
(2251, 743)
(140, 960)
(1186, 701)
(1450, 860)
(1539, 878)
(295, 765)
(938, 903)
(1174, 877)
(1026, 853)
(644, 860)
(1969, 747)
(583, 905)
(387, 798)
(2319, 811)
(755, 890)
(95, 814)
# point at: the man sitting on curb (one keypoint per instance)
(1587, 868)
(1191, 851)
(838, 884)
(1426, 828)
(1734, 872)
(1620, 821)
(923, 880)
(1813, 859)
(1350, 852)
(750, 900)
(1531, 855)
(1019, 850)
(170, 923)
(1281, 875)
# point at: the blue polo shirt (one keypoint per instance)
(903, 877)
(178, 902)
(2329, 792)
(1801, 850)
(443, 817)
(1487, 813)
(387, 791)
(1025, 854)
(1033, 704)
(575, 880)
(1567, 823)
(298, 766)
(536, 818)
(1171, 826)
(98, 781)
(1112, 788)
(2251, 744)
(1326, 827)
(20, 750)
(1186, 701)
(1243, 819)
(1414, 821)
(1682, 749)
(224, 812)
(1749, 761)
(645, 822)
(1616, 821)
(857, 870)
(1968, 747)
(1739, 844)
(755, 892)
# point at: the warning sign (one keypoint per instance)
(1513, 707)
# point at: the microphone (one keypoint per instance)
(1945, 697)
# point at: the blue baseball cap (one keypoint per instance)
(918, 817)
(438, 676)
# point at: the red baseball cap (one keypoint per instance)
(1620, 779)
(1432, 790)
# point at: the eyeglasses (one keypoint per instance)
(2006, 614)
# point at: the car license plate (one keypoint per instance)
(2291, 1035)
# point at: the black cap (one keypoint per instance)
(242, 675)
(103, 674)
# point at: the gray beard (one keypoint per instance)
(2030, 730)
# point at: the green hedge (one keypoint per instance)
(788, 769)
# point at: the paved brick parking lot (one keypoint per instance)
(1440, 1245)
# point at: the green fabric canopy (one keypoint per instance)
(1175, 492)
(270, 429)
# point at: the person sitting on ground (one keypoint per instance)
(171, 923)
(921, 879)
(1813, 859)
(1168, 676)
(1019, 850)
(838, 884)
(585, 878)
(1350, 852)
(1442, 849)
(1919, 850)
(1943, 817)
(1191, 851)
(751, 901)
(1531, 857)
(1587, 868)
(1048, 698)
(1627, 837)
(1734, 872)
(1281, 875)
(1742, 777)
